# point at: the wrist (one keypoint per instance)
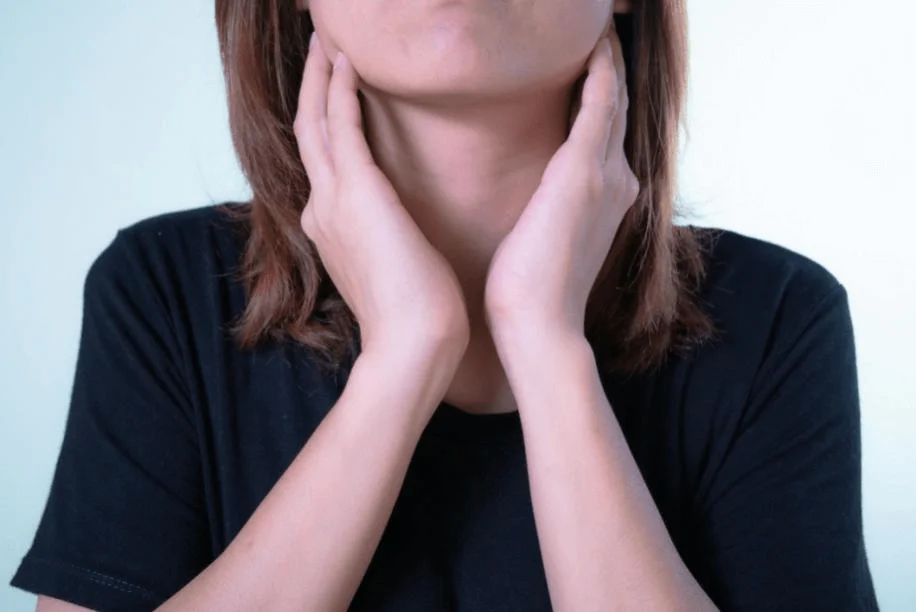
(433, 343)
(547, 367)
(445, 334)
(421, 368)
(533, 335)
(536, 347)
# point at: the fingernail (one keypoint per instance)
(338, 60)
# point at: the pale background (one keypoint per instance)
(802, 132)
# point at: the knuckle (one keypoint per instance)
(303, 135)
(307, 220)
(300, 126)
(631, 187)
(313, 219)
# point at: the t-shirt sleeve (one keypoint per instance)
(124, 526)
(782, 526)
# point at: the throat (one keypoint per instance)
(480, 385)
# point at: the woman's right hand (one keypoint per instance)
(400, 288)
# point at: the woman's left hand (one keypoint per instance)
(543, 271)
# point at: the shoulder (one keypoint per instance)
(753, 268)
(783, 353)
(181, 263)
(191, 235)
(766, 301)
(183, 242)
(756, 288)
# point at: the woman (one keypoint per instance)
(454, 354)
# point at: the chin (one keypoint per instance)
(454, 81)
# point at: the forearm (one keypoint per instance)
(308, 544)
(603, 541)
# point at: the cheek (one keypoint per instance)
(337, 25)
(566, 32)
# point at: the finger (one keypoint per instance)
(311, 114)
(619, 127)
(592, 127)
(349, 148)
(308, 222)
(576, 103)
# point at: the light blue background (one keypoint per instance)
(801, 132)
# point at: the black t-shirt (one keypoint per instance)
(750, 446)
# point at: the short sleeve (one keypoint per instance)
(782, 526)
(124, 526)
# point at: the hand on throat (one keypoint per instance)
(464, 170)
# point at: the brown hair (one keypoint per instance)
(644, 304)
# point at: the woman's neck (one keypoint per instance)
(465, 170)
(465, 173)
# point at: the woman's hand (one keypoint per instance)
(399, 287)
(543, 271)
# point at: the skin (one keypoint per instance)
(465, 103)
(501, 239)
(526, 230)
